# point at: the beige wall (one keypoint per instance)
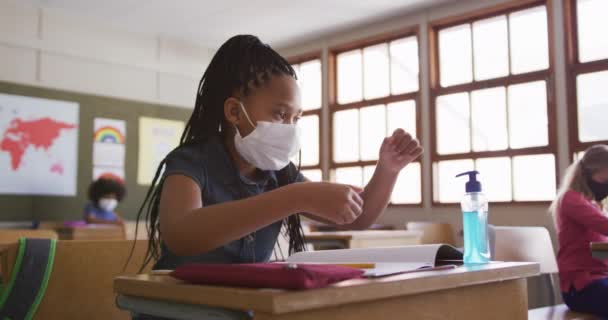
(48, 48)
(527, 215)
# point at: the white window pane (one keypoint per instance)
(528, 121)
(350, 76)
(404, 65)
(489, 119)
(491, 48)
(346, 135)
(309, 80)
(529, 40)
(368, 173)
(313, 174)
(350, 175)
(453, 124)
(495, 177)
(592, 26)
(402, 115)
(375, 71)
(534, 177)
(448, 188)
(373, 131)
(408, 189)
(455, 59)
(592, 95)
(309, 140)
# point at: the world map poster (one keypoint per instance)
(38, 146)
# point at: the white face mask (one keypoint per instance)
(108, 204)
(270, 145)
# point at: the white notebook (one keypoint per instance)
(387, 261)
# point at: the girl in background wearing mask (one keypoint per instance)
(104, 196)
(229, 186)
(580, 219)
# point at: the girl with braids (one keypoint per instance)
(580, 219)
(229, 186)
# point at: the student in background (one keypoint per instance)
(580, 219)
(104, 196)
(230, 186)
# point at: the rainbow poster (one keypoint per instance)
(109, 143)
(109, 134)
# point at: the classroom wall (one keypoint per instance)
(52, 49)
(518, 214)
(109, 72)
(43, 48)
(41, 208)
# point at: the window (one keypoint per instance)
(588, 73)
(374, 91)
(310, 83)
(491, 110)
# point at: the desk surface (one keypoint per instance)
(89, 227)
(356, 290)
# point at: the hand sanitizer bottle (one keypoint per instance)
(475, 222)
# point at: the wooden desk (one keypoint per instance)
(362, 239)
(599, 250)
(493, 291)
(91, 232)
(81, 282)
(4, 261)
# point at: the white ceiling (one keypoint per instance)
(209, 23)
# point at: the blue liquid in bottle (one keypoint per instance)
(475, 237)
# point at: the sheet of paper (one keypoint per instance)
(420, 254)
(383, 270)
(157, 137)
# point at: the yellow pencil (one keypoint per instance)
(358, 265)
(160, 272)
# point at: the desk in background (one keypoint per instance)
(492, 291)
(362, 239)
(91, 232)
(4, 261)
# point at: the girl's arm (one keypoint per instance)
(584, 213)
(395, 153)
(376, 196)
(189, 228)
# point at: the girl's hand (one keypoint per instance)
(337, 203)
(397, 151)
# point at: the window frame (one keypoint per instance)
(574, 68)
(334, 106)
(303, 58)
(436, 90)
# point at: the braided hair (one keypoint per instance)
(240, 65)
